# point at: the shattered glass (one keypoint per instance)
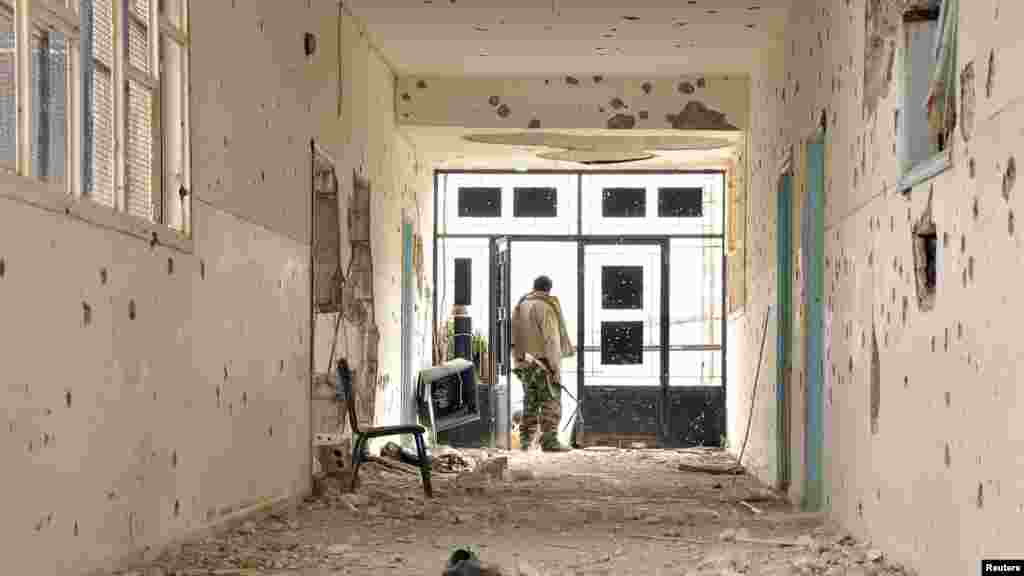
(624, 202)
(622, 287)
(622, 343)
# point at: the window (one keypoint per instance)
(680, 202)
(535, 203)
(479, 202)
(927, 115)
(624, 203)
(622, 287)
(77, 77)
(622, 343)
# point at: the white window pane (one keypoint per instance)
(8, 91)
(139, 152)
(138, 45)
(101, 119)
(49, 105)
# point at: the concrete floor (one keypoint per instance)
(584, 512)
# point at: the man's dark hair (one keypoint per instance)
(542, 284)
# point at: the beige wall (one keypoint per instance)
(121, 435)
(898, 487)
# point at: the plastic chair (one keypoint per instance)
(345, 394)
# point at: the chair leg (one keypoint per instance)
(357, 459)
(421, 451)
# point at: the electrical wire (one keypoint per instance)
(757, 376)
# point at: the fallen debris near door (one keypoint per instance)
(448, 460)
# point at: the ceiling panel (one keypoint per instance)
(531, 37)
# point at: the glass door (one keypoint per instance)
(623, 348)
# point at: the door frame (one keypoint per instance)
(440, 181)
(784, 341)
(812, 236)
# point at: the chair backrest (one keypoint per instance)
(344, 392)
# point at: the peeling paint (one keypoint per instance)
(697, 116)
(621, 122)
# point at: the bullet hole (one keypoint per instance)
(245, 399)
(1009, 177)
(76, 528)
(226, 375)
(876, 381)
(980, 498)
(963, 243)
(621, 122)
(170, 266)
(174, 459)
(153, 240)
(494, 101)
(906, 381)
(263, 176)
(976, 208)
(270, 431)
(949, 399)
(970, 268)
(972, 168)
(259, 25)
(177, 508)
(1010, 223)
(86, 314)
(947, 458)
(406, 97)
(860, 509)
(504, 111)
(3, 267)
(535, 123)
(598, 79)
(571, 80)
(933, 343)
(967, 101)
(617, 103)
(218, 396)
(479, 28)
(421, 84)
(202, 270)
(547, 82)
(131, 309)
(990, 82)
(646, 87)
(67, 398)
(309, 43)
(906, 309)
(643, 114)
(959, 331)
(631, 18)
(686, 88)
(946, 344)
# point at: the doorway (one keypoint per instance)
(637, 261)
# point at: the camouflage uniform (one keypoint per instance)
(542, 406)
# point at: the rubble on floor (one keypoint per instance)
(581, 512)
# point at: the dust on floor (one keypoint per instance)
(583, 512)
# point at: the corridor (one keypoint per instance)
(592, 511)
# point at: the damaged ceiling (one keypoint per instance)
(553, 37)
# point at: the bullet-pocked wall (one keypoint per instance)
(920, 401)
(372, 153)
(154, 390)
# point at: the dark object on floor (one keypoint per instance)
(462, 563)
(465, 563)
(360, 436)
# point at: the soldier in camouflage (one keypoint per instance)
(539, 343)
